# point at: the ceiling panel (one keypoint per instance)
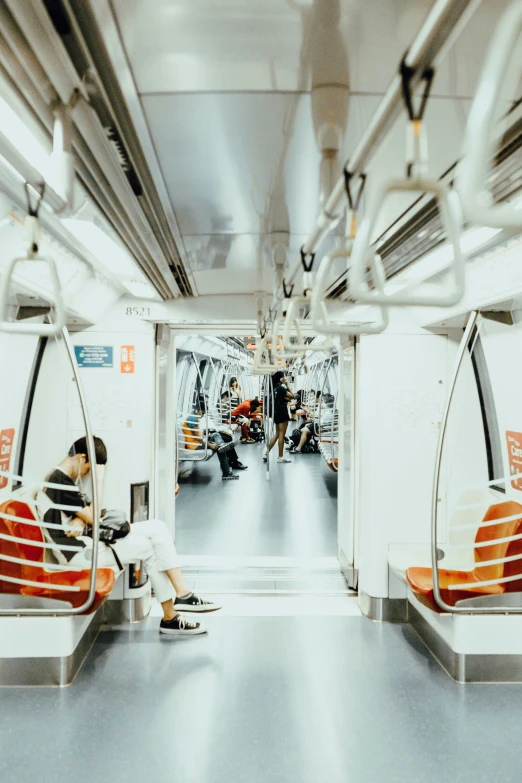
(247, 164)
(230, 45)
(229, 160)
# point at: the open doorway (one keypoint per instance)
(271, 509)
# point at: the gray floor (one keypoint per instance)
(284, 688)
(295, 514)
(262, 700)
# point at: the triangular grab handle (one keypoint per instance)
(319, 309)
(42, 330)
(445, 294)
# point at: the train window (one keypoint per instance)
(489, 414)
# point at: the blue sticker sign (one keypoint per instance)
(93, 355)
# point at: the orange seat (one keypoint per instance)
(27, 571)
(421, 579)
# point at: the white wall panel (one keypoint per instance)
(399, 403)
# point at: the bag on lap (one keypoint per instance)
(113, 525)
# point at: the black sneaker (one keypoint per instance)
(193, 603)
(239, 466)
(181, 626)
(229, 477)
(225, 447)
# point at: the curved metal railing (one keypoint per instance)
(38, 521)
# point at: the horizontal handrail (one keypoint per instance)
(34, 522)
(42, 585)
(487, 583)
(484, 563)
(487, 523)
(482, 136)
(40, 544)
(49, 567)
(484, 544)
(36, 483)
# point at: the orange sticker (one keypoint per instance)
(514, 446)
(127, 359)
(6, 447)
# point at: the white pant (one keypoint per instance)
(149, 541)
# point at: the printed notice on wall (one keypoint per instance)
(93, 355)
(127, 359)
(514, 446)
(6, 447)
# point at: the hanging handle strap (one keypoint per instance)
(416, 139)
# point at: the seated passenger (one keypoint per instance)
(220, 439)
(247, 409)
(149, 541)
(311, 426)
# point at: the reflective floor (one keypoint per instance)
(262, 700)
(291, 684)
(294, 514)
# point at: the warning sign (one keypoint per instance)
(514, 446)
(127, 359)
(6, 447)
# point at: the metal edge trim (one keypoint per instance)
(127, 610)
(387, 610)
(58, 671)
(465, 668)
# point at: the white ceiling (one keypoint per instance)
(225, 88)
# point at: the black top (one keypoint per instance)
(280, 404)
(68, 496)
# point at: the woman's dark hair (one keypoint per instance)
(277, 377)
(80, 447)
(231, 381)
(254, 404)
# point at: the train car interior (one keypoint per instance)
(260, 418)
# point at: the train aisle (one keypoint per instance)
(266, 700)
(294, 514)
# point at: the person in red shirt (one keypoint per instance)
(247, 409)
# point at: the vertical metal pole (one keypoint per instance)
(474, 320)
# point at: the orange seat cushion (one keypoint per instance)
(104, 583)
(27, 550)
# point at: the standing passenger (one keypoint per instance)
(281, 418)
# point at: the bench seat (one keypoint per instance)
(27, 563)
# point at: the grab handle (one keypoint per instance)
(445, 295)
(298, 348)
(41, 330)
(319, 310)
(262, 363)
(480, 142)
